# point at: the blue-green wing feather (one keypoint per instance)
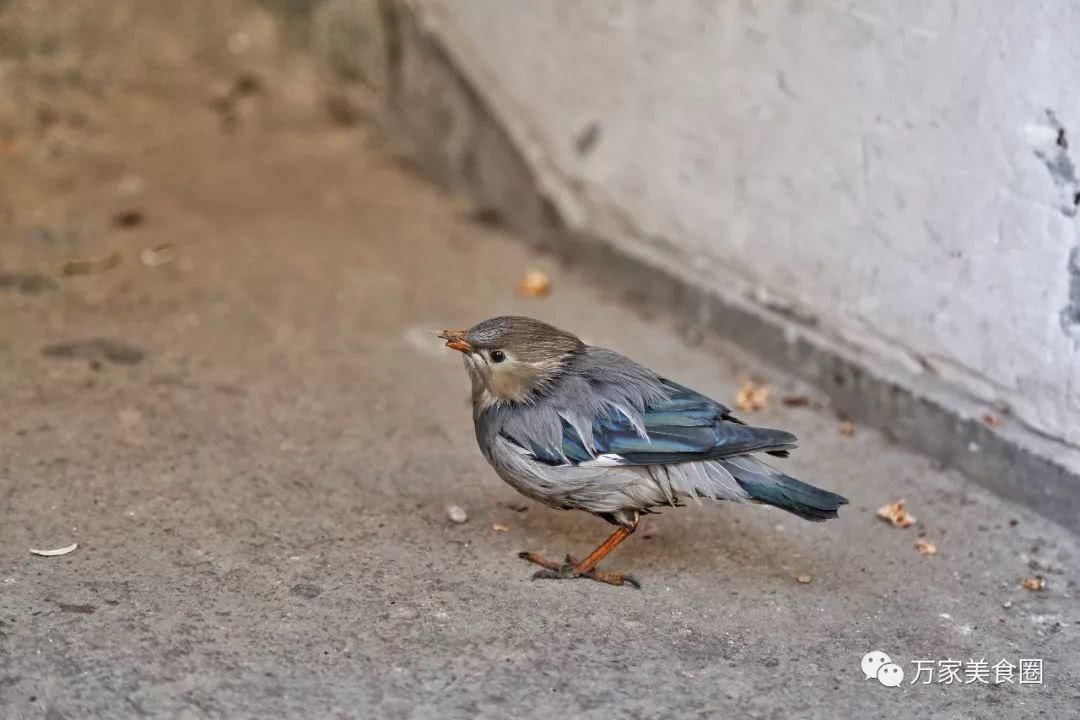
(682, 427)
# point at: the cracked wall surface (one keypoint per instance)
(897, 175)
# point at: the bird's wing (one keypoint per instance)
(683, 427)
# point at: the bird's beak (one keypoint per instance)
(456, 339)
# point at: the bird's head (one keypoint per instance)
(512, 359)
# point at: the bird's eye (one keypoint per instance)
(497, 356)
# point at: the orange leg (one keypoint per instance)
(587, 567)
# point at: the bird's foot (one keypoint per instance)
(570, 570)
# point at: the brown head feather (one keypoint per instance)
(513, 358)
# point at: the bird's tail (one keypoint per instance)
(768, 485)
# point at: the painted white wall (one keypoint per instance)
(873, 163)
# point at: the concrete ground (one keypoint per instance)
(257, 464)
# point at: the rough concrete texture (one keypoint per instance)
(466, 132)
(257, 462)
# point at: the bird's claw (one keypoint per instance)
(569, 571)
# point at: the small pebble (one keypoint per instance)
(456, 513)
(805, 579)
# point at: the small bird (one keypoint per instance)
(579, 427)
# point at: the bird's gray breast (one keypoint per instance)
(593, 487)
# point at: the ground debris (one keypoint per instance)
(846, 428)
(128, 219)
(896, 514)
(1034, 584)
(456, 514)
(804, 579)
(795, 400)
(753, 395)
(925, 547)
(91, 266)
(992, 420)
(56, 552)
(499, 527)
(157, 255)
(535, 283)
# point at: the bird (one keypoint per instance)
(578, 427)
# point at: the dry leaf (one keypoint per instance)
(796, 400)
(847, 428)
(500, 528)
(925, 547)
(1034, 584)
(805, 579)
(534, 284)
(57, 551)
(91, 266)
(752, 396)
(896, 514)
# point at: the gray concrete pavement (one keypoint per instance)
(260, 502)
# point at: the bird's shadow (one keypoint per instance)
(715, 537)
